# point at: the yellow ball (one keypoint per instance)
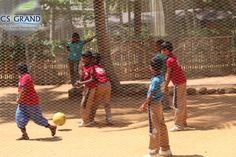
(59, 118)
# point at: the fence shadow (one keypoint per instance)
(205, 112)
(47, 139)
(187, 156)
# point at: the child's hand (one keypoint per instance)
(18, 100)
(166, 90)
(143, 107)
(77, 83)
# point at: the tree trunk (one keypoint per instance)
(120, 11)
(52, 23)
(170, 20)
(103, 40)
(70, 17)
(137, 18)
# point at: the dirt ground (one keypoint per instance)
(211, 131)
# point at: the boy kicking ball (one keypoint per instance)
(28, 104)
(159, 140)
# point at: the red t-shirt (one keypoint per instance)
(30, 96)
(100, 74)
(87, 72)
(177, 74)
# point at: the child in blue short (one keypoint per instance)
(159, 140)
(28, 104)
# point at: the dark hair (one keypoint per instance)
(160, 41)
(76, 35)
(167, 45)
(97, 56)
(22, 68)
(87, 54)
(156, 63)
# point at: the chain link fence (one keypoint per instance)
(41, 34)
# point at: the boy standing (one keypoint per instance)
(157, 128)
(90, 86)
(74, 49)
(103, 92)
(28, 104)
(175, 74)
(165, 98)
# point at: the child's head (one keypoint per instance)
(22, 68)
(158, 44)
(96, 58)
(156, 65)
(75, 37)
(87, 57)
(166, 48)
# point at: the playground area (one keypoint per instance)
(211, 131)
(126, 35)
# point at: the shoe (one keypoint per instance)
(175, 128)
(165, 153)
(167, 109)
(83, 124)
(23, 137)
(185, 125)
(152, 155)
(53, 130)
(109, 121)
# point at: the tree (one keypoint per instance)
(137, 18)
(103, 40)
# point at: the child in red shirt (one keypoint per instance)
(175, 74)
(103, 92)
(90, 85)
(28, 104)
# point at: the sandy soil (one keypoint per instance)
(211, 82)
(211, 131)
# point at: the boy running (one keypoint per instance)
(28, 104)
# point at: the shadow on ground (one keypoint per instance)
(205, 112)
(187, 156)
(47, 139)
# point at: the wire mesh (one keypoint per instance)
(104, 119)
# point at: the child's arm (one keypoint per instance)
(168, 78)
(66, 46)
(144, 106)
(89, 39)
(21, 94)
(86, 81)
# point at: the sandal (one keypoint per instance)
(53, 130)
(23, 137)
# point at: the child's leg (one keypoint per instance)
(37, 117)
(154, 130)
(86, 104)
(107, 100)
(165, 102)
(76, 70)
(97, 101)
(71, 70)
(22, 116)
(159, 135)
(83, 104)
(164, 138)
(22, 119)
(181, 108)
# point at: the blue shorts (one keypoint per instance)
(24, 113)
